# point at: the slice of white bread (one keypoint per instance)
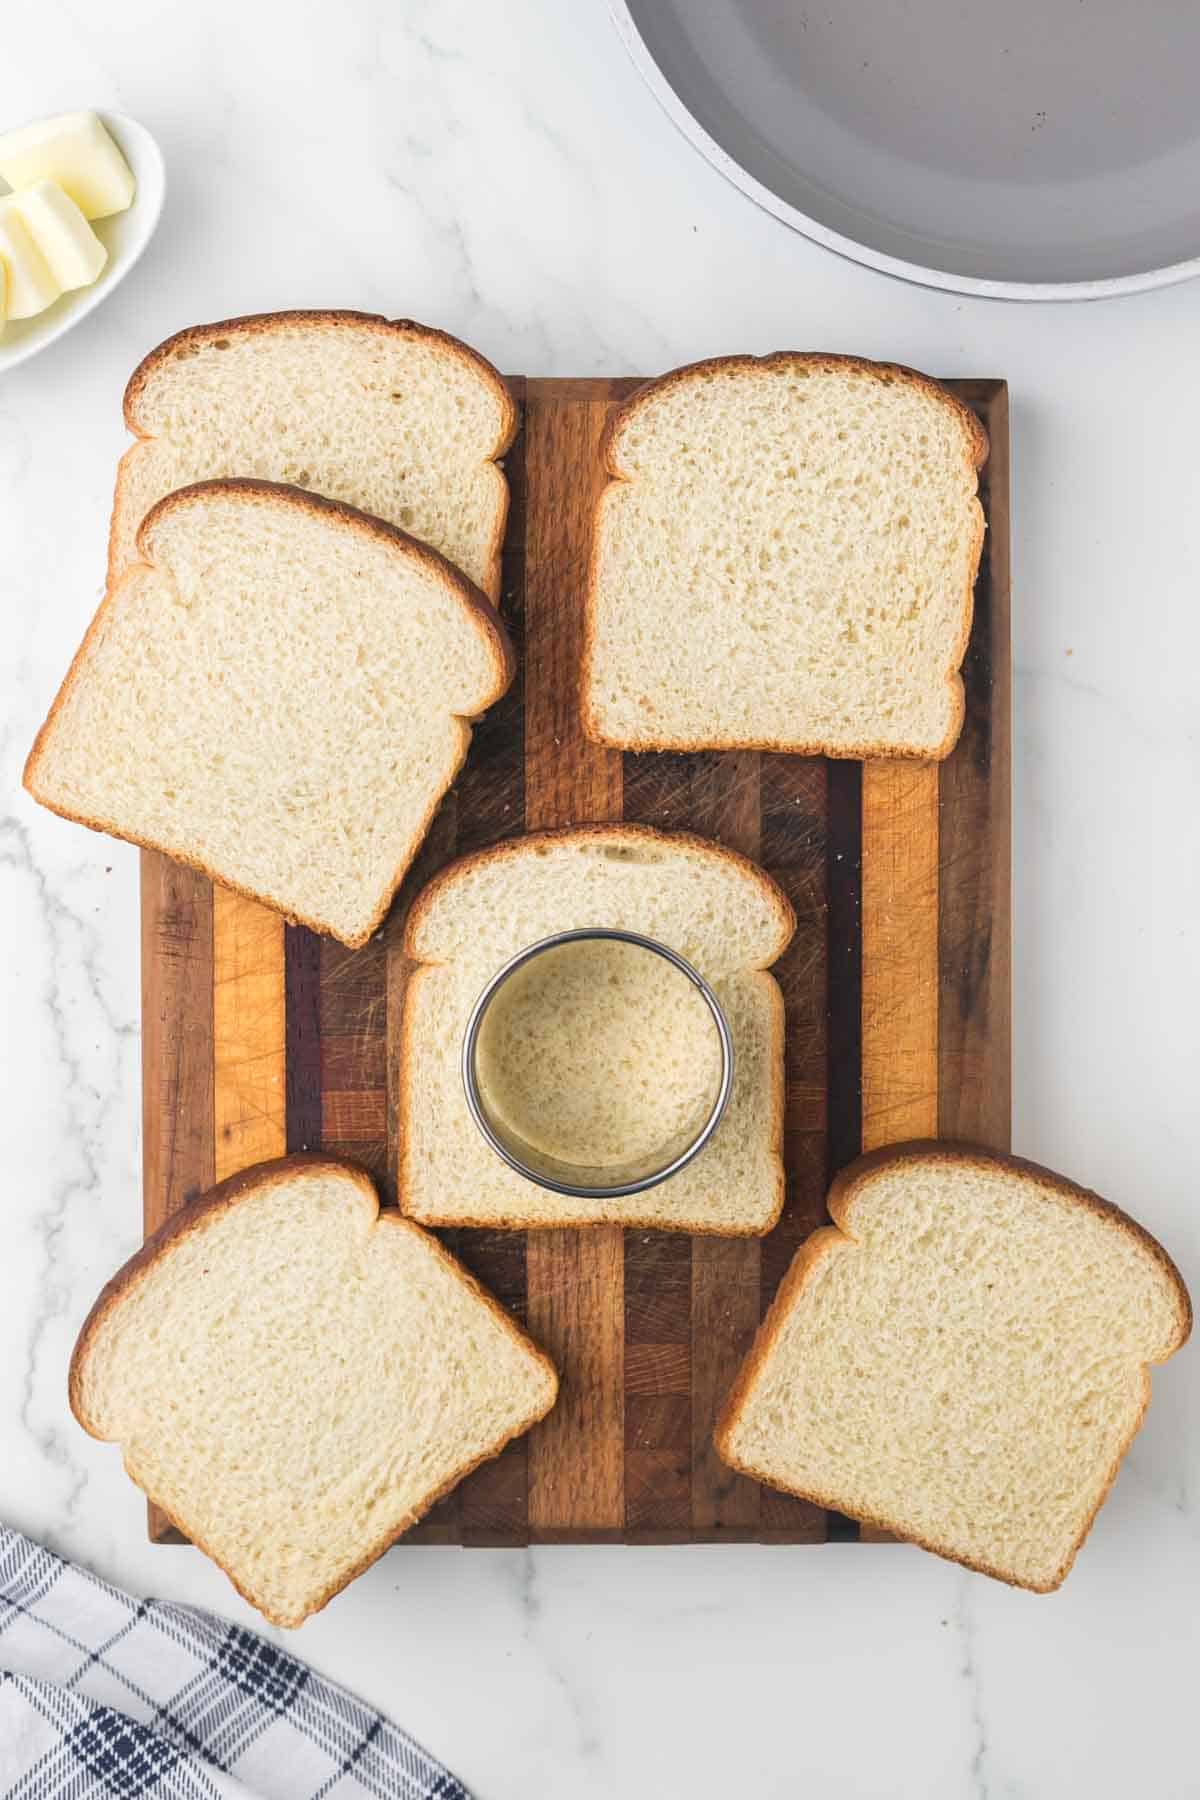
(279, 695)
(295, 1377)
(785, 559)
(963, 1359)
(394, 418)
(715, 908)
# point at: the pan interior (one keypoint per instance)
(1034, 141)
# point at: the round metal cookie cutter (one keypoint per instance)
(580, 1182)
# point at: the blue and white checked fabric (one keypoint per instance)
(105, 1695)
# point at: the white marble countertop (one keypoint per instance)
(500, 171)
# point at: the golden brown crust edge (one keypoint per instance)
(863, 750)
(479, 608)
(254, 1180)
(636, 833)
(280, 493)
(831, 361)
(975, 1156)
(380, 1547)
(830, 1238)
(633, 834)
(258, 1178)
(261, 324)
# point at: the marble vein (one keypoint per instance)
(964, 1620)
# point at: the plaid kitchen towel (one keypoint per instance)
(101, 1694)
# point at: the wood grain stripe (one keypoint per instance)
(845, 963)
(844, 996)
(302, 980)
(899, 952)
(249, 1034)
(355, 1061)
(352, 1045)
(177, 1036)
(357, 1116)
(575, 1279)
(178, 1161)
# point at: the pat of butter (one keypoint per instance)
(75, 150)
(31, 286)
(72, 251)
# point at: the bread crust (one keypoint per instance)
(527, 844)
(825, 361)
(939, 1151)
(838, 1237)
(261, 1178)
(581, 833)
(256, 492)
(251, 325)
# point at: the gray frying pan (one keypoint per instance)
(1021, 149)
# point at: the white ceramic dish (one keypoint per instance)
(1035, 150)
(125, 235)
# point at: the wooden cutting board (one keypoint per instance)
(260, 1037)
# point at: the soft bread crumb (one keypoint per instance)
(279, 696)
(294, 1377)
(715, 908)
(394, 418)
(785, 559)
(600, 1054)
(963, 1361)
